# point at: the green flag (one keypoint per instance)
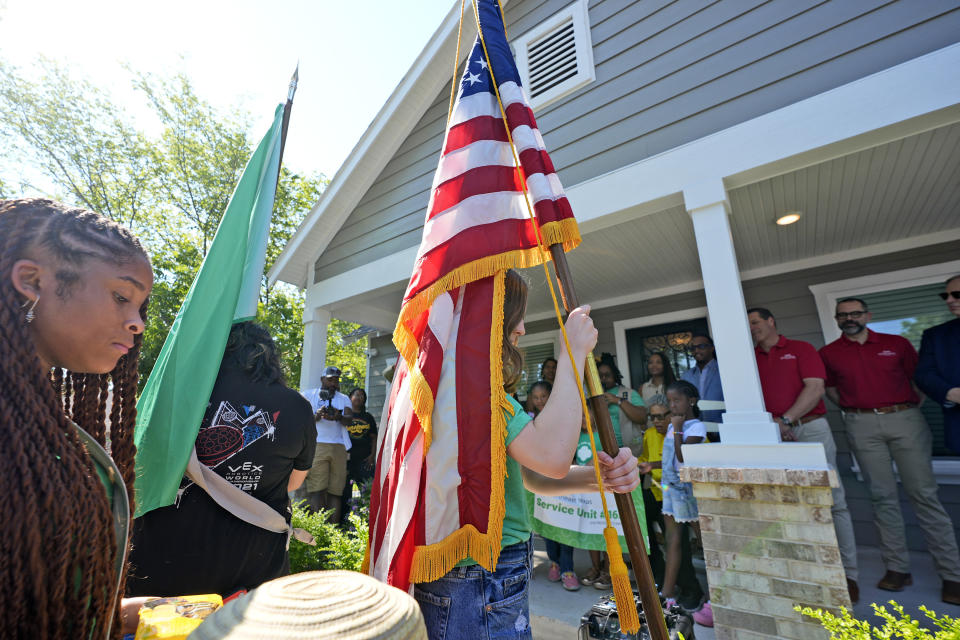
(225, 291)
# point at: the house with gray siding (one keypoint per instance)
(682, 130)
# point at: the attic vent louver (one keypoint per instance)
(555, 58)
(552, 59)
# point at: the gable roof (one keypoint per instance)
(391, 126)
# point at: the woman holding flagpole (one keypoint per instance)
(73, 297)
(469, 597)
(448, 512)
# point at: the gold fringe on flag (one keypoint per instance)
(431, 562)
(420, 394)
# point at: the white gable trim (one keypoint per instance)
(377, 145)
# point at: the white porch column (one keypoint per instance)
(748, 434)
(746, 420)
(315, 323)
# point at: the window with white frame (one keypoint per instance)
(905, 303)
(535, 349)
(555, 58)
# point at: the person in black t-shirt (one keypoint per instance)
(260, 436)
(363, 440)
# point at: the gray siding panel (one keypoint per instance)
(377, 391)
(667, 73)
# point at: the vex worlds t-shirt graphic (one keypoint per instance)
(229, 433)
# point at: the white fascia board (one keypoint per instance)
(864, 113)
(385, 272)
(822, 127)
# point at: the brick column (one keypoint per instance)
(769, 545)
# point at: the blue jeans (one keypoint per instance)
(475, 604)
(560, 553)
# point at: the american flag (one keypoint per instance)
(438, 493)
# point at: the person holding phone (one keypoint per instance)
(627, 411)
(333, 414)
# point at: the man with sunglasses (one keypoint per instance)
(706, 375)
(869, 375)
(938, 372)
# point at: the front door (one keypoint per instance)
(671, 339)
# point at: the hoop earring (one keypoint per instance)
(27, 319)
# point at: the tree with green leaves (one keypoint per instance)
(69, 140)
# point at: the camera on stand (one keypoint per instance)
(603, 623)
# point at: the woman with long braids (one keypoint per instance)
(73, 296)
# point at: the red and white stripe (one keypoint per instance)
(420, 499)
(477, 186)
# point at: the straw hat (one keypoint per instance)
(318, 604)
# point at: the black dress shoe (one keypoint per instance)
(951, 592)
(894, 581)
(854, 591)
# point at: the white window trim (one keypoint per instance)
(586, 72)
(826, 294)
(543, 337)
(620, 333)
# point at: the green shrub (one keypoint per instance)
(901, 625)
(336, 548)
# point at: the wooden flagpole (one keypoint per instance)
(649, 597)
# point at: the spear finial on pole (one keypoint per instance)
(294, 79)
(287, 108)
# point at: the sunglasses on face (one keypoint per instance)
(853, 315)
(950, 294)
(699, 347)
(659, 416)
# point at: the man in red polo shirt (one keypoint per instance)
(792, 377)
(869, 376)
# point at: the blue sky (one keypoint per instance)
(352, 55)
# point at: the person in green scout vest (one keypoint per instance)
(74, 287)
(627, 413)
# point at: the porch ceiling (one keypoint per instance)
(895, 191)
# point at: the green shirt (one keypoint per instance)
(583, 454)
(516, 516)
(116, 493)
(635, 399)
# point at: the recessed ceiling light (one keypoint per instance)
(788, 218)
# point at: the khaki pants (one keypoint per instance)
(329, 470)
(903, 437)
(819, 431)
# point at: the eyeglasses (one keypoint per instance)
(950, 294)
(698, 347)
(659, 416)
(853, 315)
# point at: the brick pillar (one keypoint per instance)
(769, 545)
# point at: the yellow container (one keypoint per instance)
(174, 618)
